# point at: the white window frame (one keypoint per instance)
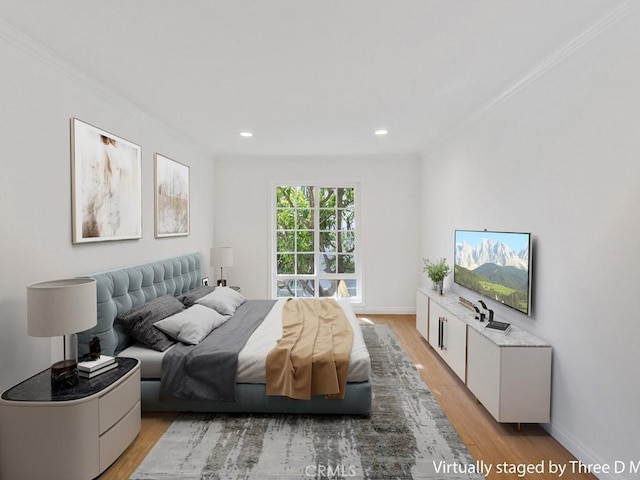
(358, 252)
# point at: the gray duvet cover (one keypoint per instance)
(207, 371)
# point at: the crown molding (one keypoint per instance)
(47, 57)
(604, 23)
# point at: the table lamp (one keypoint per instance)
(224, 258)
(62, 308)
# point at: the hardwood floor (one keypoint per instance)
(154, 424)
(498, 445)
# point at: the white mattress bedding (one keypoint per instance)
(251, 359)
(150, 360)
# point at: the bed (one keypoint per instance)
(119, 291)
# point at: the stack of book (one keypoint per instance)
(502, 327)
(93, 368)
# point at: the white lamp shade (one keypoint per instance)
(224, 256)
(61, 307)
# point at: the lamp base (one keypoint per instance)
(222, 282)
(64, 374)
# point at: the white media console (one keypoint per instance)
(509, 374)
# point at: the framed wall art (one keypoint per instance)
(106, 192)
(172, 197)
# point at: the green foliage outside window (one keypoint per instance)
(304, 242)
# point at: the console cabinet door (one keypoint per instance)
(455, 337)
(512, 382)
(422, 312)
(483, 371)
(448, 336)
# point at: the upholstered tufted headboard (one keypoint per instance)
(120, 290)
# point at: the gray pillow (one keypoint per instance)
(224, 300)
(192, 325)
(138, 322)
(190, 298)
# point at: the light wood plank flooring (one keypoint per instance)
(487, 440)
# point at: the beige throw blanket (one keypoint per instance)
(312, 357)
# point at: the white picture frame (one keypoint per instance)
(106, 193)
(171, 197)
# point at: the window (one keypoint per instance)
(316, 252)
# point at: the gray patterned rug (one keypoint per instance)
(408, 436)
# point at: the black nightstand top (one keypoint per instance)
(38, 387)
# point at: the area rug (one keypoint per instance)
(407, 436)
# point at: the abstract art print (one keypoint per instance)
(106, 185)
(172, 197)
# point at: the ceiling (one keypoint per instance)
(306, 77)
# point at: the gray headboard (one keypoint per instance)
(120, 290)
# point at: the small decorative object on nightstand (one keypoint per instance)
(62, 308)
(94, 348)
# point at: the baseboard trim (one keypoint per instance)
(580, 451)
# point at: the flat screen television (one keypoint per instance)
(496, 265)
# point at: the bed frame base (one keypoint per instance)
(252, 398)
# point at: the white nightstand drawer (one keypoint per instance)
(116, 440)
(115, 404)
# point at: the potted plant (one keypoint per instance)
(436, 272)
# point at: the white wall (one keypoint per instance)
(389, 213)
(38, 98)
(560, 159)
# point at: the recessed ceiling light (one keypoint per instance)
(246, 134)
(381, 131)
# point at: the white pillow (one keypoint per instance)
(191, 325)
(224, 300)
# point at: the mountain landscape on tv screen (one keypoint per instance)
(494, 270)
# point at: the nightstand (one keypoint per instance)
(75, 433)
